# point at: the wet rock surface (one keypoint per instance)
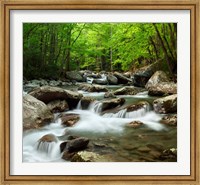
(166, 104)
(58, 106)
(69, 120)
(112, 103)
(121, 78)
(48, 94)
(75, 75)
(129, 90)
(35, 113)
(156, 78)
(170, 120)
(163, 88)
(92, 88)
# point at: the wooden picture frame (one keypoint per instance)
(7, 5)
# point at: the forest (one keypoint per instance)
(99, 92)
(51, 49)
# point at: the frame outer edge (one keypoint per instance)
(2, 92)
(5, 96)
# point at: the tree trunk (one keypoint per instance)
(164, 50)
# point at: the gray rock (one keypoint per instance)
(85, 102)
(163, 88)
(112, 103)
(48, 94)
(166, 105)
(128, 90)
(100, 81)
(121, 78)
(58, 106)
(112, 80)
(142, 75)
(75, 145)
(170, 120)
(75, 75)
(69, 120)
(92, 88)
(35, 113)
(156, 78)
(85, 156)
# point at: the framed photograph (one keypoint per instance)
(101, 92)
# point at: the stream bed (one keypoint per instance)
(109, 134)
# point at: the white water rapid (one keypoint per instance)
(91, 121)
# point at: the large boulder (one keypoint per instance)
(100, 81)
(112, 103)
(75, 75)
(35, 113)
(121, 78)
(164, 88)
(128, 90)
(142, 75)
(58, 106)
(166, 105)
(112, 80)
(92, 88)
(48, 94)
(85, 102)
(156, 78)
(75, 145)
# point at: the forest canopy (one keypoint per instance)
(51, 49)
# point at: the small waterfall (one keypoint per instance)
(124, 114)
(96, 107)
(120, 114)
(79, 105)
(50, 149)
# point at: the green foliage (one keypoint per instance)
(51, 48)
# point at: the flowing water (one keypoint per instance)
(109, 134)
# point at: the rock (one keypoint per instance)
(55, 83)
(75, 75)
(109, 95)
(48, 138)
(135, 124)
(85, 102)
(142, 75)
(48, 94)
(92, 88)
(156, 78)
(144, 149)
(137, 106)
(128, 90)
(93, 75)
(35, 113)
(76, 144)
(170, 120)
(169, 155)
(85, 156)
(112, 80)
(67, 156)
(69, 119)
(58, 106)
(112, 103)
(164, 88)
(166, 105)
(100, 81)
(121, 78)
(127, 74)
